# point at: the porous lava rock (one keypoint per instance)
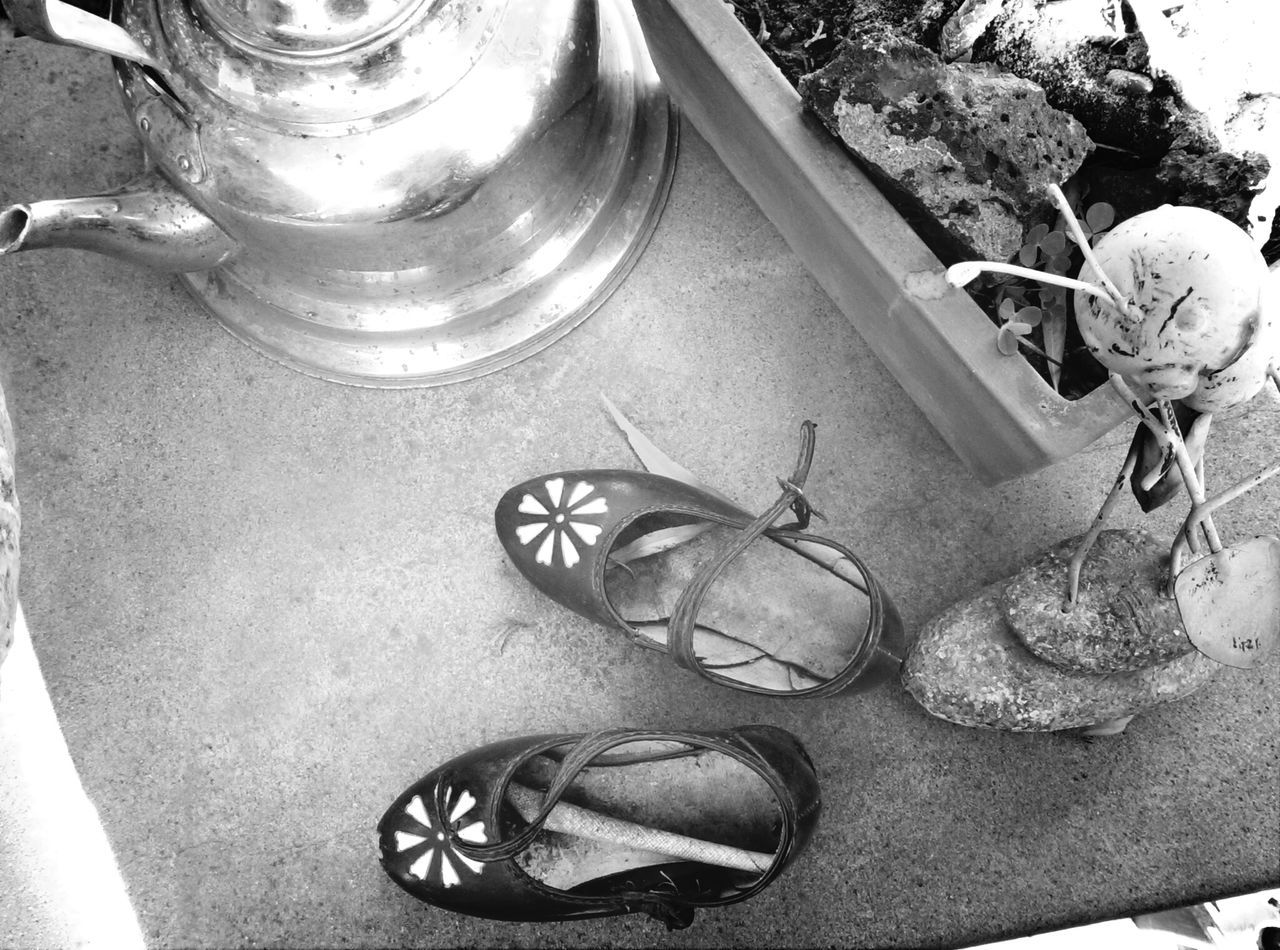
(1199, 173)
(1097, 72)
(968, 667)
(10, 523)
(1188, 89)
(1123, 619)
(974, 147)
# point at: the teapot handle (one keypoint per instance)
(57, 22)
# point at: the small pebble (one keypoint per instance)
(1129, 83)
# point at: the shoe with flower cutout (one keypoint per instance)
(565, 827)
(677, 569)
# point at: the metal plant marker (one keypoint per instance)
(1230, 602)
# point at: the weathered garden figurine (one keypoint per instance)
(1179, 306)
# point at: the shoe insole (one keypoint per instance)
(772, 619)
(705, 797)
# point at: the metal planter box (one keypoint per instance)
(996, 412)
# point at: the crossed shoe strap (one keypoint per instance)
(592, 749)
(683, 620)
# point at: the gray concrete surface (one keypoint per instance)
(264, 604)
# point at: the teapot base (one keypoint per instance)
(400, 330)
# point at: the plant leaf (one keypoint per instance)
(1006, 309)
(1053, 330)
(656, 542)
(1100, 216)
(1053, 243)
(1007, 340)
(1009, 335)
(1059, 264)
(1036, 233)
(1053, 295)
(652, 457)
(1028, 317)
(1028, 254)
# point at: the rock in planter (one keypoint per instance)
(1087, 67)
(1190, 88)
(9, 533)
(1122, 621)
(1196, 171)
(970, 145)
(968, 667)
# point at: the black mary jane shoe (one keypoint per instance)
(565, 827)
(757, 606)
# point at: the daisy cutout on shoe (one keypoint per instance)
(560, 520)
(433, 839)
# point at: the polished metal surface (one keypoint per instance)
(146, 222)
(61, 23)
(416, 191)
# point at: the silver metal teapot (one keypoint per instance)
(379, 192)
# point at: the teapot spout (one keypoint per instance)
(146, 222)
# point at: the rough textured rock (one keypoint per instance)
(801, 35)
(9, 533)
(974, 147)
(1183, 98)
(968, 667)
(1122, 621)
(1220, 56)
(1194, 93)
(1216, 179)
(1071, 51)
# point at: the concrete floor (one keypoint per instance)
(264, 604)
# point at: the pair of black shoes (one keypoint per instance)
(561, 827)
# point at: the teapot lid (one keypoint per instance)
(300, 27)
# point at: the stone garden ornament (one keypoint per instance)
(1179, 306)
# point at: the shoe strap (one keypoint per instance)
(683, 620)
(588, 750)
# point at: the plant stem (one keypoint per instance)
(1112, 294)
(1023, 341)
(960, 274)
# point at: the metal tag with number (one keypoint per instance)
(1230, 602)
